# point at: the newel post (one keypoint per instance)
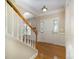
(36, 33)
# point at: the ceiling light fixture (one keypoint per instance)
(44, 9)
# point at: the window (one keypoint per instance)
(42, 26)
(27, 30)
(55, 25)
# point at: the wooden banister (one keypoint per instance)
(19, 14)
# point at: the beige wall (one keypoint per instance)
(48, 35)
(69, 29)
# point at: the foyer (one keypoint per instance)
(39, 29)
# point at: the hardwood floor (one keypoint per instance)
(48, 51)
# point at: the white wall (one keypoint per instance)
(69, 29)
(13, 23)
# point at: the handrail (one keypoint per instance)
(20, 15)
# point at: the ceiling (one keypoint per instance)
(35, 6)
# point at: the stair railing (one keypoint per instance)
(31, 42)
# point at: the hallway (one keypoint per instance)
(46, 30)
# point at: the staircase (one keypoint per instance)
(29, 42)
(16, 49)
(23, 47)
